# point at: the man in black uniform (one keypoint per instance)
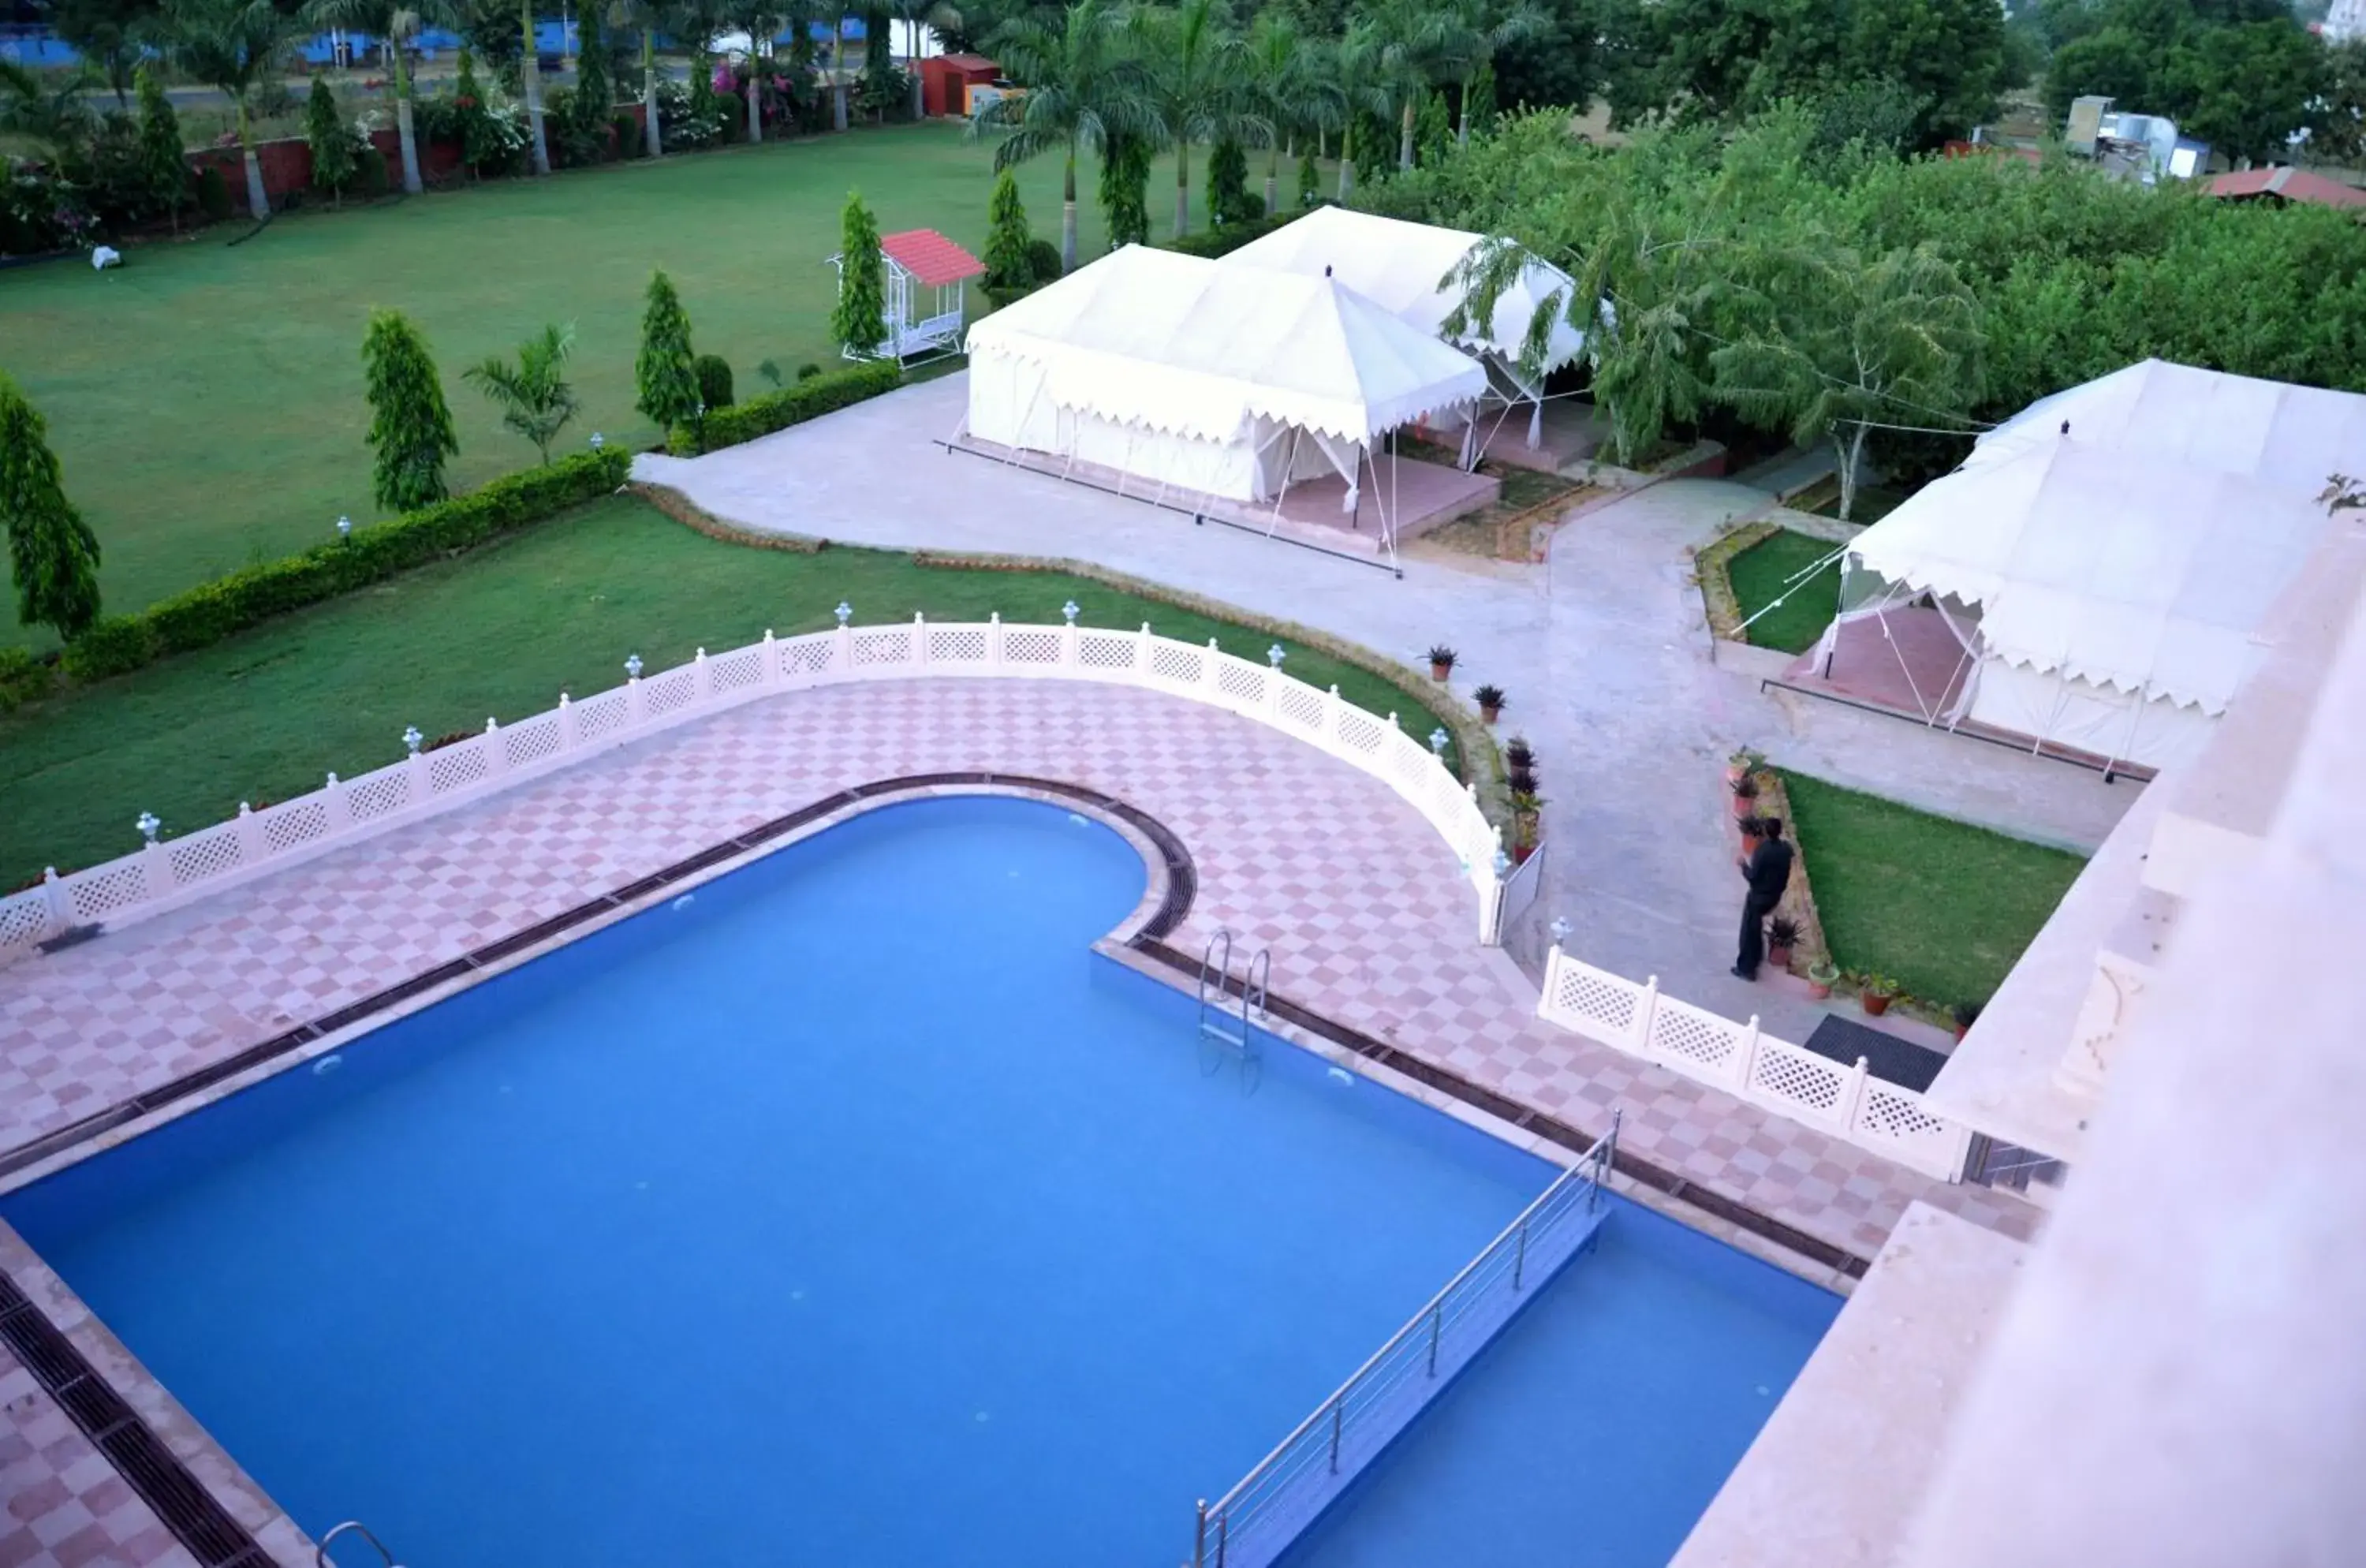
(1768, 872)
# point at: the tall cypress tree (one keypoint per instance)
(665, 373)
(1125, 189)
(410, 427)
(53, 554)
(859, 318)
(331, 143)
(1007, 266)
(164, 171)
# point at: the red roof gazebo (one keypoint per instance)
(918, 260)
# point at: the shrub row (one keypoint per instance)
(212, 611)
(1214, 242)
(808, 398)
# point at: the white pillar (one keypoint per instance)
(770, 665)
(252, 847)
(332, 799)
(920, 638)
(497, 754)
(1645, 1006)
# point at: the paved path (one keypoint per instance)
(1604, 652)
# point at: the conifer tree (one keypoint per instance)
(1007, 266)
(859, 320)
(333, 145)
(410, 426)
(53, 554)
(665, 375)
(163, 172)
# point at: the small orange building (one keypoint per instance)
(946, 79)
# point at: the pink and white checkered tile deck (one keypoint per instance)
(1369, 924)
(67, 1506)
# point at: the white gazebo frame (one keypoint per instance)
(903, 337)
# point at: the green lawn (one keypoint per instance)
(1770, 569)
(206, 398)
(1942, 908)
(501, 631)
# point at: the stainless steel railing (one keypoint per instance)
(1281, 1494)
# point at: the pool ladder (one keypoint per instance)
(1220, 1024)
(320, 1558)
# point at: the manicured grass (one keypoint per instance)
(206, 399)
(501, 631)
(1944, 908)
(1768, 571)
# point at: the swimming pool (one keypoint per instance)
(851, 1211)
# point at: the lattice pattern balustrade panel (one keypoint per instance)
(669, 693)
(201, 855)
(956, 645)
(531, 741)
(1702, 1039)
(24, 920)
(378, 795)
(94, 895)
(1105, 651)
(737, 670)
(1589, 996)
(1360, 732)
(893, 646)
(457, 767)
(1302, 706)
(1786, 1072)
(1887, 1112)
(602, 715)
(1179, 663)
(298, 822)
(806, 656)
(1240, 681)
(1030, 647)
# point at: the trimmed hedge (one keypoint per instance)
(1214, 242)
(212, 611)
(810, 397)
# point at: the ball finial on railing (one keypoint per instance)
(845, 612)
(598, 441)
(148, 826)
(1503, 862)
(1437, 741)
(411, 738)
(1275, 654)
(344, 527)
(1560, 930)
(633, 666)
(1069, 611)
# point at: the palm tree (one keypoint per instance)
(398, 22)
(917, 16)
(1081, 90)
(235, 46)
(1415, 41)
(1356, 68)
(50, 112)
(1193, 69)
(644, 16)
(838, 65)
(1471, 32)
(1291, 90)
(761, 20)
(533, 394)
(530, 69)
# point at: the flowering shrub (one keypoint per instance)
(42, 210)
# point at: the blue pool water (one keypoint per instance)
(852, 1211)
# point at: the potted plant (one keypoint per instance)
(1526, 809)
(1742, 765)
(1490, 702)
(1875, 993)
(1745, 796)
(1753, 829)
(1441, 663)
(1518, 753)
(1822, 976)
(1965, 1014)
(1782, 936)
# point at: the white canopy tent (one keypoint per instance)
(2286, 436)
(1403, 267)
(2103, 600)
(1226, 381)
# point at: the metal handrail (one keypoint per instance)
(321, 1559)
(1380, 1371)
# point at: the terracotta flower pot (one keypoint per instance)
(1520, 853)
(1778, 956)
(1872, 1002)
(1819, 990)
(1490, 713)
(1438, 672)
(1745, 805)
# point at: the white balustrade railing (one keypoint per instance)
(169, 872)
(1846, 1101)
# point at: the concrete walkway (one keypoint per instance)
(1604, 654)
